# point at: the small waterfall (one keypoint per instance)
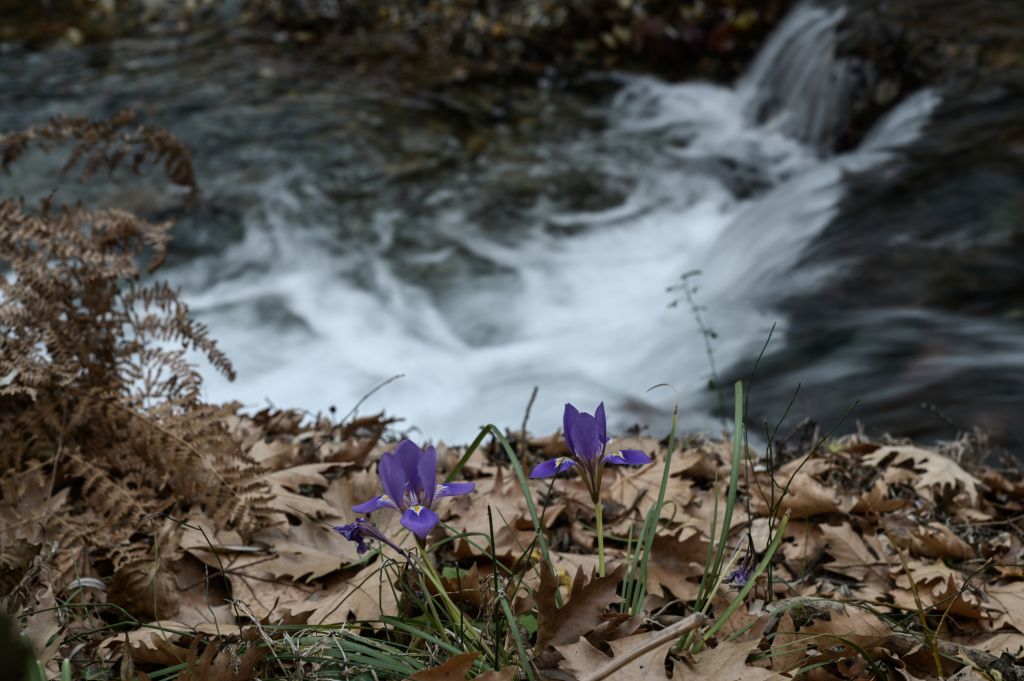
(733, 180)
(798, 84)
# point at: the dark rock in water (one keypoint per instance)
(923, 321)
(906, 44)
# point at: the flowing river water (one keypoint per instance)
(485, 241)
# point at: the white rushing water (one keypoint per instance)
(577, 303)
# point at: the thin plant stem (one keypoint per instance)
(454, 612)
(599, 513)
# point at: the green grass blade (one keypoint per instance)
(531, 507)
(650, 527)
(468, 453)
(758, 571)
(513, 628)
(734, 477)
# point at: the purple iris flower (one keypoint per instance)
(409, 478)
(587, 437)
(361, 531)
(739, 577)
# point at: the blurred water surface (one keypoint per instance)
(482, 240)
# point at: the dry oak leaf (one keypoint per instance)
(877, 500)
(936, 540)
(802, 545)
(944, 592)
(635, 489)
(27, 505)
(309, 550)
(854, 554)
(366, 595)
(674, 561)
(153, 644)
(146, 589)
(1009, 599)
(1009, 642)
(935, 470)
(581, 612)
(221, 663)
(640, 657)
(807, 497)
(456, 667)
(819, 630)
(284, 485)
(510, 515)
(583, 661)
(726, 662)
(273, 455)
(506, 674)
(274, 602)
(42, 626)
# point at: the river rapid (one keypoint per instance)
(481, 240)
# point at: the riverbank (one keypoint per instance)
(148, 532)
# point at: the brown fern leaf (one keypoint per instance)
(97, 392)
(105, 144)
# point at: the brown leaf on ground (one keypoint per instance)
(513, 530)
(273, 602)
(202, 600)
(802, 544)
(367, 595)
(635, 658)
(308, 550)
(878, 500)
(506, 674)
(674, 561)
(583, 661)
(454, 668)
(635, 489)
(153, 646)
(746, 621)
(934, 470)
(1008, 600)
(285, 485)
(615, 625)
(727, 660)
(939, 587)
(147, 589)
(1006, 642)
(855, 554)
(221, 663)
(816, 631)
(581, 612)
(936, 540)
(42, 626)
(807, 497)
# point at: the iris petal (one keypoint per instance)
(392, 477)
(420, 520)
(586, 441)
(602, 424)
(545, 469)
(453, 489)
(568, 419)
(375, 504)
(426, 469)
(629, 457)
(407, 458)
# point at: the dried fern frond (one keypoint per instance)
(105, 144)
(98, 396)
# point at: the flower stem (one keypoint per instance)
(599, 513)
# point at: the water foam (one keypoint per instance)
(575, 304)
